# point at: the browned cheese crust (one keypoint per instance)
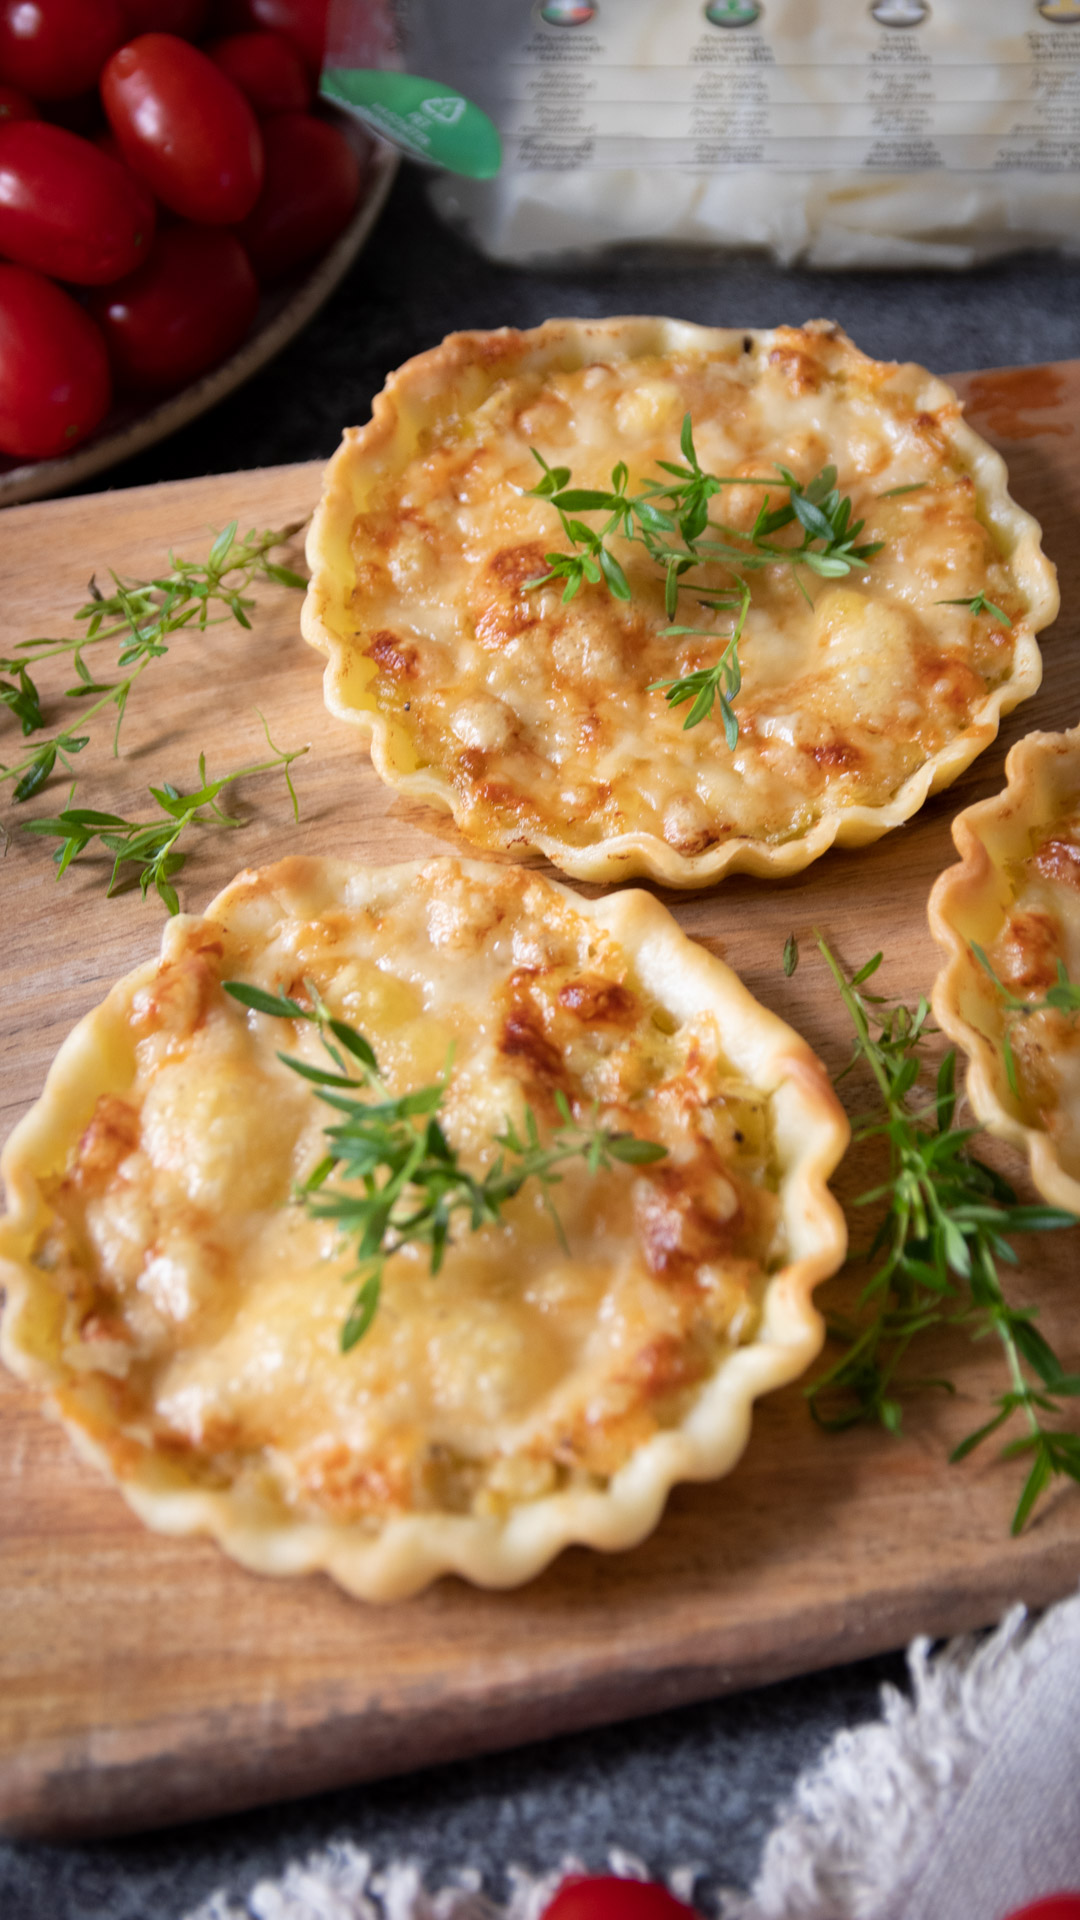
(532, 717)
(185, 1314)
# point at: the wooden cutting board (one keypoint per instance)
(147, 1680)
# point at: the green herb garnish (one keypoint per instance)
(140, 617)
(20, 696)
(1062, 997)
(670, 519)
(937, 1251)
(791, 955)
(977, 604)
(150, 847)
(399, 1181)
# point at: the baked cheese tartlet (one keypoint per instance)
(1008, 918)
(182, 1309)
(541, 722)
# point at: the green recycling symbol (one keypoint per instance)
(425, 118)
(447, 110)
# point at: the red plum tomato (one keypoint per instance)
(185, 17)
(1052, 1906)
(603, 1897)
(184, 128)
(54, 49)
(267, 68)
(301, 21)
(311, 188)
(67, 209)
(180, 314)
(54, 370)
(15, 105)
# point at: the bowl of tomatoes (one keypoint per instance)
(175, 205)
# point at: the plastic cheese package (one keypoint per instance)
(833, 132)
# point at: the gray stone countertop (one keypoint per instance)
(700, 1785)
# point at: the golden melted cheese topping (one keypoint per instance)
(1041, 930)
(538, 713)
(199, 1310)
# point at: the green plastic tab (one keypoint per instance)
(422, 116)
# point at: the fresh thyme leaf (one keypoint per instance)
(39, 764)
(361, 1313)
(20, 696)
(791, 955)
(275, 1003)
(976, 605)
(150, 847)
(670, 519)
(140, 618)
(935, 1255)
(893, 493)
(400, 1182)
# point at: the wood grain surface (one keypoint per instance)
(147, 1680)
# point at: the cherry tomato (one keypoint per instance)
(312, 185)
(15, 105)
(1053, 1906)
(267, 68)
(54, 370)
(603, 1897)
(54, 49)
(185, 17)
(184, 128)
(182, 313)
(67, 209)
(301, 21)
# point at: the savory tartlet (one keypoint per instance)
(541, 722)
(181, 1308)
(1008, 918)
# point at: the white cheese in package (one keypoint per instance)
(835, 132)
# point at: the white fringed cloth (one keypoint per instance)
(960, 1803)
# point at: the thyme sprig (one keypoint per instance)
(1062, 997)
(140, 617)
(150, 847)
(977, 603)
(708, 686)
(936, 1252)
(670, 519)
(399, 1181)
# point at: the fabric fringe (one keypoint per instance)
(862, 1820)
(340, 1883)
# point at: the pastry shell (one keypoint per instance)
(453, 378)
(414, 1547)
(969, 904)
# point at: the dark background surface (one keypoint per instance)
(417, 281)
(700, 1786)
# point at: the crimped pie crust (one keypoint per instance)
(530, 721)
(977, 902)
(165, 1142)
